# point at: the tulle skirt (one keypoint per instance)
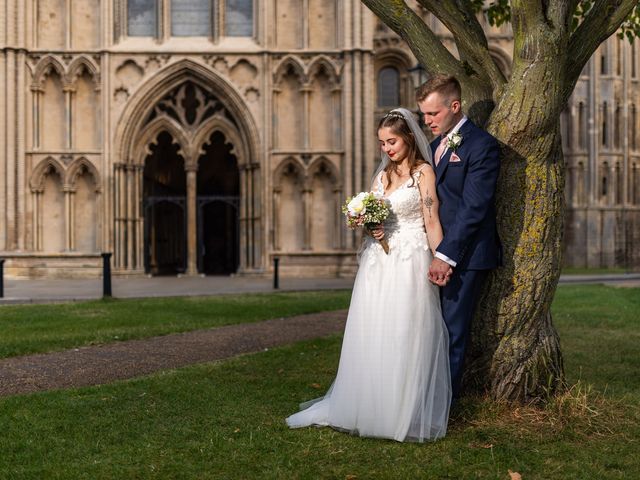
(393, 378)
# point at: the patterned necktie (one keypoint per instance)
(440, 150)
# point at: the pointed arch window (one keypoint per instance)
(617, 127)
(605, 124)
(582, 125)
(238, 18)
(604, 180)
(388, 87)
(187, 18)
(604, 58)
(633, 126)
(191, 18)
(142, 18)
(567, 126)
(619, 184)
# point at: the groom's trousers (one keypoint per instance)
(458, 298)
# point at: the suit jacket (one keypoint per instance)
(466, 188)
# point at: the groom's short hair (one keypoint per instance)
(447, 86)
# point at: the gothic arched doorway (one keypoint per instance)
(164, 193)
(214, 141)
(218, 208)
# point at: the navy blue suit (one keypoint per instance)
(466, 191)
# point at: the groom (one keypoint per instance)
(467, 162)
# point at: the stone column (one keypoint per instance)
(139, 170)
(68, 23)
(37, 220)
(358, 140)
(72, 220)
(117, 262)
(67, 218)
(68, 93)
(306, 121)
(121, 216)
(21, 140)
(130, 224)
(97, 247)
(306, 202)
(336, 121)
(4, 112)
(251, 218)
(337, 224)
(37, 95)
(243, 217)
(10, 150)
(612, 192)
(275, 140)
(192, 227)
(593, 145)
(275, 218)
(305, 23)
(635, 185)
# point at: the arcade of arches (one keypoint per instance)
(186, 186)
(215, 147)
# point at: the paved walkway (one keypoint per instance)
(97, 365)
(47, 291)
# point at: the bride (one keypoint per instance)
(393, 379)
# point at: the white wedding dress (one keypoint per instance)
(393, 379)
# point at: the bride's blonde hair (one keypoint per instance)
(398, 126)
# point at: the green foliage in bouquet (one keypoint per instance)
(365, 209)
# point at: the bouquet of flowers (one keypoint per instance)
(368, 210)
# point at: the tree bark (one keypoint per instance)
(515, 350)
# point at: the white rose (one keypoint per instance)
(454, 140)
(356, 205)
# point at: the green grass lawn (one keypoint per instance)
(225, 420)
(42, 328)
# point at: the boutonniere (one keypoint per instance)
(454, 141)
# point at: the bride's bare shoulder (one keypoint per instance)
(427, 170)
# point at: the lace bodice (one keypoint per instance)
(406, 209)
(404, 227)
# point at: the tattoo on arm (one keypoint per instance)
(428, 202)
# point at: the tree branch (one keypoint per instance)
(560, 14)
(602, 21)
(469, 36)
(424, 44)
(434, 56)
(527, 19)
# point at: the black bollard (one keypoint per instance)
(276, 282)
(1, 277)
(106, 275)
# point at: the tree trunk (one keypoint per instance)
(515, 350)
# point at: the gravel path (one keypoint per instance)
(107, 363)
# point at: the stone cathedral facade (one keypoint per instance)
(210, 136)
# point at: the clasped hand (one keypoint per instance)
(440, 272)
(377, 232)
